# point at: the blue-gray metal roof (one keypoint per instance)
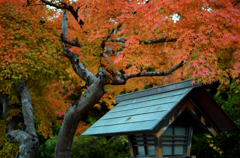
(141, 111)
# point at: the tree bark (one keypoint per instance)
(26, 137)
(94, 93)
(75, 112)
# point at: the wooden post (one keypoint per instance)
(130, 146)
(158, 147)
(189, 144)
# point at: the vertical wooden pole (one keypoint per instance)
(189, 144)
(130, 145)
(158, 147)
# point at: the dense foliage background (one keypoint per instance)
(224, 145)
(31, 44)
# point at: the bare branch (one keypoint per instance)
(27, 137)
(55, 5)
(72, 43)
(159, 40)
(79, 68)
(118, 40)
(64, 24)
(118, 80)
(77, 65)
(27, 108)
(146, 42)
(163, 73)
(67, 7)
(64, 32)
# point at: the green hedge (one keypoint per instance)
(89, 147)
(98, 147)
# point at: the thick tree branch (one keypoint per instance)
(27, 108)
(77, 65)
(62, 5)
(159, 40)
(64, 31)
(163, 73)
(28, 144)
(78, 109)
(118, 80)
(27, 137)
(72, 43)
(64, 26)
(146, 42)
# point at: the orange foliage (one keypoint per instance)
(82, 127)
(207, 40)
(207, 36)
(30, 45)
(46, 107)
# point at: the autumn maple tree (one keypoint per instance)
(110, 42)
(29, 46)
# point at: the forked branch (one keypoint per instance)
(77, 65)
(72, 43)
(27, 108)
(62, 5)
(26, 137)
(119, 80)
(162, 73)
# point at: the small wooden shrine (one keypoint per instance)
(161, 121)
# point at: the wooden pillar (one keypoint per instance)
(158, 147)
(189, 144)
(130, 145)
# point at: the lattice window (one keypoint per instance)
(174, 141)
(143, 144)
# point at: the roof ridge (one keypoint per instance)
(157, 90)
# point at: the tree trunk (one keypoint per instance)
(26, 137)
(75, 112)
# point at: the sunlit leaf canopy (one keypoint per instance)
(29, 45)
(207, 36)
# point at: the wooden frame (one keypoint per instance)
(185, 139)
(134, 145)
(202, 119)
(159, 144)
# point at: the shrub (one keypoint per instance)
(98, 147)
